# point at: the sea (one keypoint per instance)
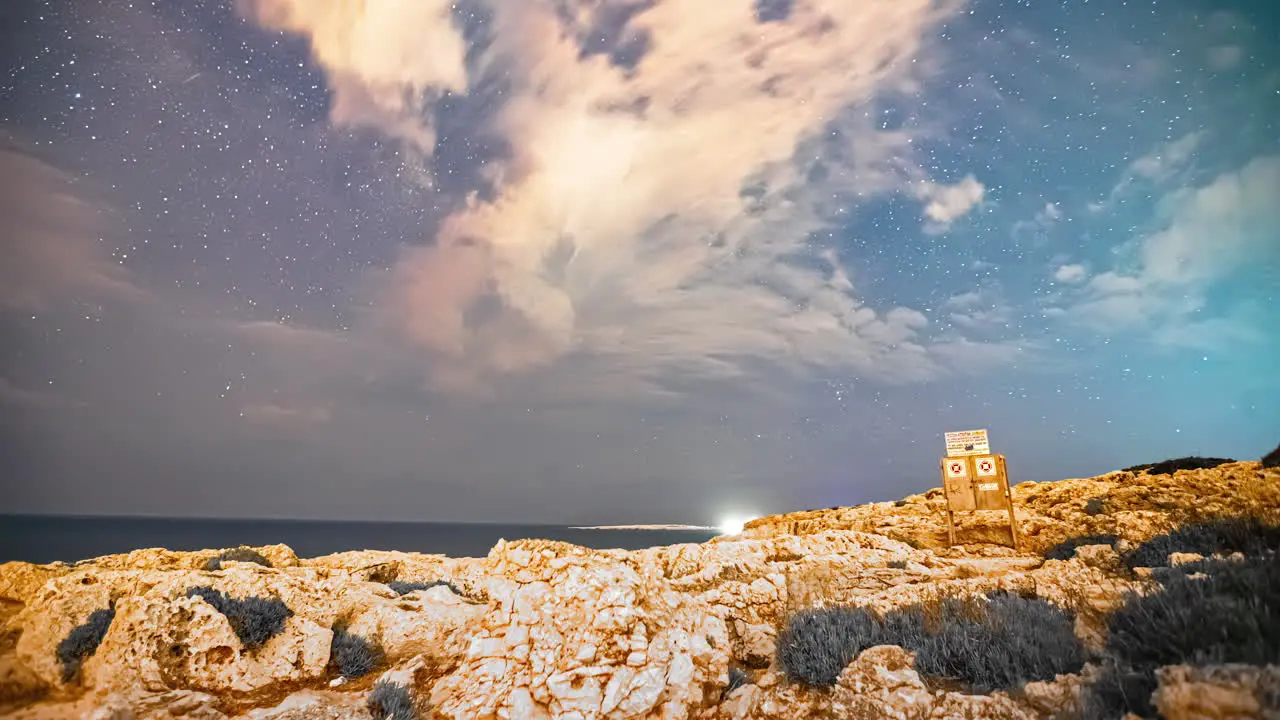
(46, 539)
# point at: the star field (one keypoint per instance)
(586, 264)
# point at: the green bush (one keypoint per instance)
(1168, 467)
(255, 620)
(1272, 459)
(404, 588)
(1223, 612)
(997, 642)
(240, 554)
(389, 701)
(1248, 535)
(1066, 549)
(352, 655)
(82, 642)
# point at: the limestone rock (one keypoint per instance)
(161, 639)
(882, 683)
(1137, 506)
(20, 581)
(1223, 692)
(546, 630)
(576, 633)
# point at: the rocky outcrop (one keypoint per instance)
(1131, 505)
(1219, 692)
(542, 630)
(572, 632)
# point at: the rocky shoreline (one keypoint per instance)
(541, 629)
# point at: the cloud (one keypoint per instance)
(1208, 235)
(944, 204)
(1070, 274)
(1224, 57)
(980, 313)
(13, 395)
(1037, 229)
(386, 62)
(52, 236)
(285, 417)
(1168, 160)
(1163, 167)
(654, 213)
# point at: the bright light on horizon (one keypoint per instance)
(733, 524)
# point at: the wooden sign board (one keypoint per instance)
(967, 442)
(977, 482)
(957, 484)
(990, 486)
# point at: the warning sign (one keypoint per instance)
(967, 442)
(981, 487)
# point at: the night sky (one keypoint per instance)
(624, 261)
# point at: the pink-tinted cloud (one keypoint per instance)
(651, 211)
(52, 237)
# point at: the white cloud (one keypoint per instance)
(1166, 166)
(1168, 160)
(376, 79)
(651, 220)
(1210, 234)
(944, 204)
(980, 313)
(1070, 274)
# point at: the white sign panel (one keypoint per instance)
(955, 468)
(986, 466)
(967, 442)
(988, 487)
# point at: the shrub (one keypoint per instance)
(404, 588)
(389, 701)
(83, 641)
(1168, 467)
(353, 655)
(255, 620)
(999, 642)
(1095, 506)
(240, 554)
(899, 503)
(1066, 549)
(1272, 459)
(816, 645)
(1248, 535)
(737, 678)
(1231, 614)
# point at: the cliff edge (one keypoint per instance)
(860, 612)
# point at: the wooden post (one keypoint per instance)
(1008, 498)
(957, 486)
